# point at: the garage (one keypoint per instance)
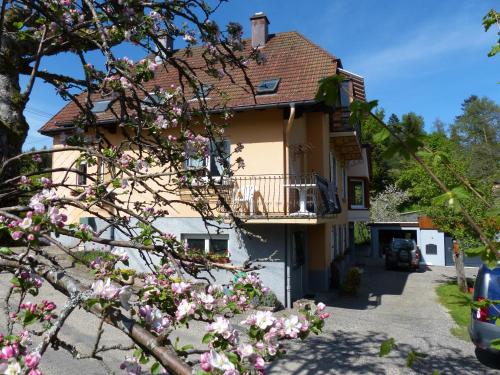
(432, 243)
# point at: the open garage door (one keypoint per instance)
(385, 237)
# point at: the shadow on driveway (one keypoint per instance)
(376, 282)
(357, 353)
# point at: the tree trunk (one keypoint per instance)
(13, 125)
(459, 266)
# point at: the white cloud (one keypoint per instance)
(427, 44)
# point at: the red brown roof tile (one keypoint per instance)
(298, 62)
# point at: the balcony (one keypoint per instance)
(280, 199)
(345, 138)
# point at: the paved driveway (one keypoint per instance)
(394, 304)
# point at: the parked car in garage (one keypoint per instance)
(484, 328)
(402, 252)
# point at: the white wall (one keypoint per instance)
(428, 237)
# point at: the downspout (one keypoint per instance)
(286, 129)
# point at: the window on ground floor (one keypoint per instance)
(207, 244)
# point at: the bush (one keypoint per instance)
(352, 281)
(269, 300)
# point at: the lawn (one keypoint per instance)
(458, 305)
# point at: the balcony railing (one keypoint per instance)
(276, 196)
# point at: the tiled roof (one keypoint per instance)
(298, 62)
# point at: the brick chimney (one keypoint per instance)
(259, 29)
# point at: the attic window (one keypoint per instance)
(267, 86)
(203, 91)
(152, 100)
(101, 106)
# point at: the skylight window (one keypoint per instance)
(203, 90)
(152, 99)
(268, 86)
(101, 106)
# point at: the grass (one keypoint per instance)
(89, 256)
(458, 305)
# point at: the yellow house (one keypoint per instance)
(306, 174)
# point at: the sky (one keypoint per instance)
(424, 56)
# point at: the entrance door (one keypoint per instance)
(297, 269)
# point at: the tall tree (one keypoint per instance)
(477, 131)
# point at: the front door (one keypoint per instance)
(297, 265)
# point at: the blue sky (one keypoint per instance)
(424, 56)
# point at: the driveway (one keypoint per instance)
(396, 304)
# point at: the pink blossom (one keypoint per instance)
(49, 306)
(46, 182)
(17, 235)
(32, 360)
(105, 290)
(180, 288)
(205, 362)
(184, 309)
(324, 316)
(7, 352)
(292, 326)
(320, 306)
(259, 363)
(245, 350)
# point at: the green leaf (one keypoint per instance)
(495, 344)
(360, 110)
(15, 281)
(489, 19)
(435, 372)
(475, 251)
(18, 25)
(410, 359)
(29, 318)
(156, 368)
(381, 136)
(386, 347)
(144, 359)
(329, 89)
(494, 50)
(233, 358)
(5, 251)
(187, 347)
(207, 338)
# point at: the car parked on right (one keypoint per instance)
(485, 320)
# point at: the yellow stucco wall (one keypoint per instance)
(261, 133)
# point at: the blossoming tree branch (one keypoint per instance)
(162, 128)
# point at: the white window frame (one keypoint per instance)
(363, 205)
(208, 161)
(206, 237)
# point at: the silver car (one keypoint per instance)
(484, 327)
